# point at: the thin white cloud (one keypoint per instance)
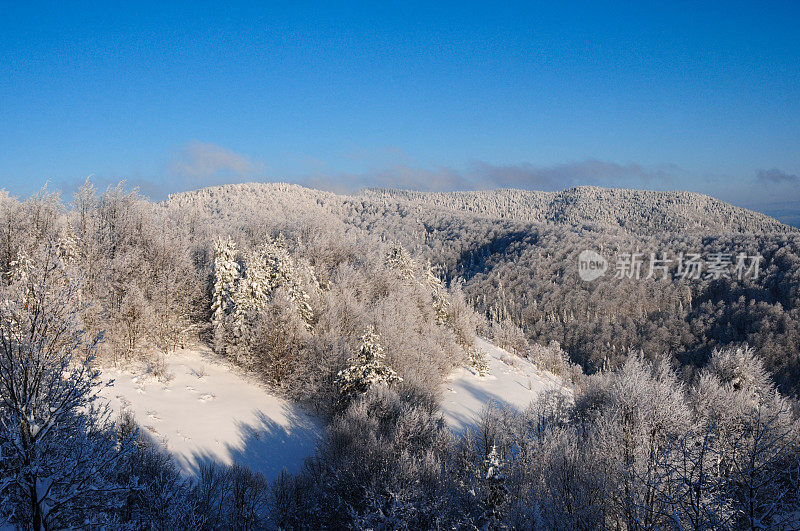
(559, 176)
(397, 176)
(775, 176)
(202, 161)
(484, 175)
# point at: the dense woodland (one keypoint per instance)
(525, 274)
(638, 211)
(679, 408)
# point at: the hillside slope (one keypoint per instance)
(526, 271)
(512, 382)
(638, 211)
(205, 410)
(635, 211)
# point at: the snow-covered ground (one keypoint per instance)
(209, 411)
(514, 383)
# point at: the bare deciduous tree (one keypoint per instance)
(56, 441)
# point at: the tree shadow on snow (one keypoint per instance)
(265, 446)
(459, 421)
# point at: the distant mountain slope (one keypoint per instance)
(251, 198)
(637, 211)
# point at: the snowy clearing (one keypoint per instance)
(209, 411)
(512, 383)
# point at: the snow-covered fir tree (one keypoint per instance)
(478, 361)
(226, 276)
(284, 271)
(441, 301)
(253, 291)
(496, 489)
(268, 268)
(367, 368)
(401, 261)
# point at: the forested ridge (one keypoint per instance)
(526, 272)
(678, 399)
(638, 211)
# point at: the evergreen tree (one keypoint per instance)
(400, 260)
(478, 361)
(270, 271)
(367, 368)
(496, 489)
(283, 271)
(441, 300)
(226, 276)
(253, 291)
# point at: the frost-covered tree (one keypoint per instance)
(267, 269)
(283, 271)
(294, 277)
(400, 260)
(68, 247)
(554, 359)
(381, 466)
(495, 486)
(441, 298)
(478, 361)
(750, 438)
(56, 443)
(226, 276)
(507, 335)
(366, 369)
(252, 293)
(741, 369)
(20, 268)
(634, 414)
(272, 310)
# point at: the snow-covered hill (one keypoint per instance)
(512, 382)
(209, 411)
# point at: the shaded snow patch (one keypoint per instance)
(210, 412)
(511, 382)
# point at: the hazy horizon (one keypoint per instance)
(788, 215)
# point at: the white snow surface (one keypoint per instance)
(211, 411)
(512, 382)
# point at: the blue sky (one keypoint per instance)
(428, 96)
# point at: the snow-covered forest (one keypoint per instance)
(655, 405)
